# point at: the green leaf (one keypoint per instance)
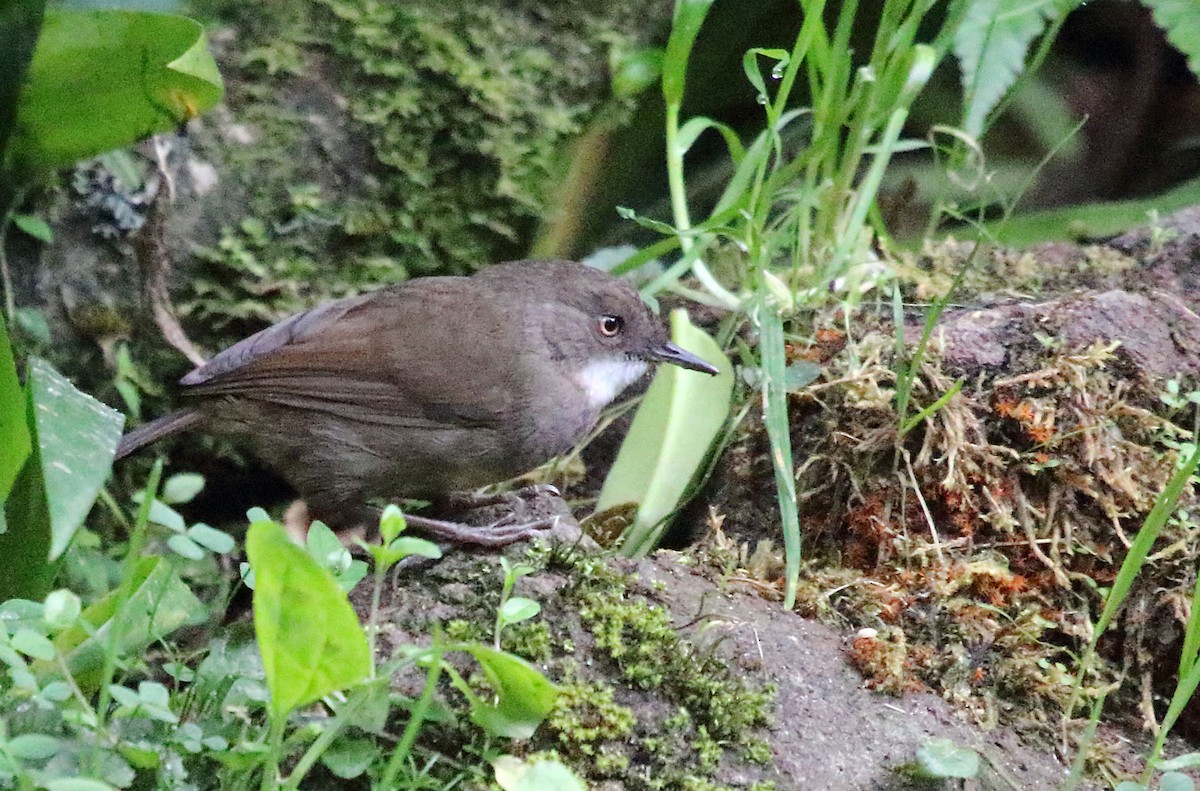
(636, 71)
(326, 548)
(14, 433)
(391, 523)
(32, 644)
(524, 697)
(61, 609)
(754, 74)
(775, 416)
(689, 17)
(672, 433)
(367, 706)
(103, 79)
(348, 758)
(34, 226)
(1175, 781)
(77, 438)
(518, 609)
(1092, 220)
(411, 545)
(168, 517)
(210, 538)
(691, 131)
(1180, 20)
(1185, 761)
(991, 43)
(32, 746)
(185, 547)
(77, 784)
(309, 637)
(74, 438)
(626, 213)
(161, 603)
(942, 758)
(515, 774)
(32, 323)
(182, 487)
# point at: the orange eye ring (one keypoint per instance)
(611, 326)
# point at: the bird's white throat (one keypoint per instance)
(603, 380)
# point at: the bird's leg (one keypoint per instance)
(497, 534)
(503, 531)
(457, 502)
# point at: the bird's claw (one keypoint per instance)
(500, 533)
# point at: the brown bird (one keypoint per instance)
(427, 388)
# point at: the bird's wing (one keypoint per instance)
(391, 357)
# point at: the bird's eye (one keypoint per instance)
(611, 325)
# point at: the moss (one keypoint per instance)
(714, 710)
(589, 723)
(461, 630)
(982, 586)
(529, 639)
(371, 141)
(639, 638)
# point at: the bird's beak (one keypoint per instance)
(670, 353)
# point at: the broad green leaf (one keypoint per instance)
(103, 79)
(161, 603)
(1180, 20)
(25, 567)
(671, 436)
(942, 758)
(524, 697)
(689, 16)
(991, 43)
(309, 637)
(76, 437)
(515, 774)
(14, 433)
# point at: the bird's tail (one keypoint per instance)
(156, 430)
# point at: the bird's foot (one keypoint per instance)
(459, 502)
(497, 534)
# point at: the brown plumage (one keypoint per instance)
(432, 386)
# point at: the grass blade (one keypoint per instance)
(774, 392)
